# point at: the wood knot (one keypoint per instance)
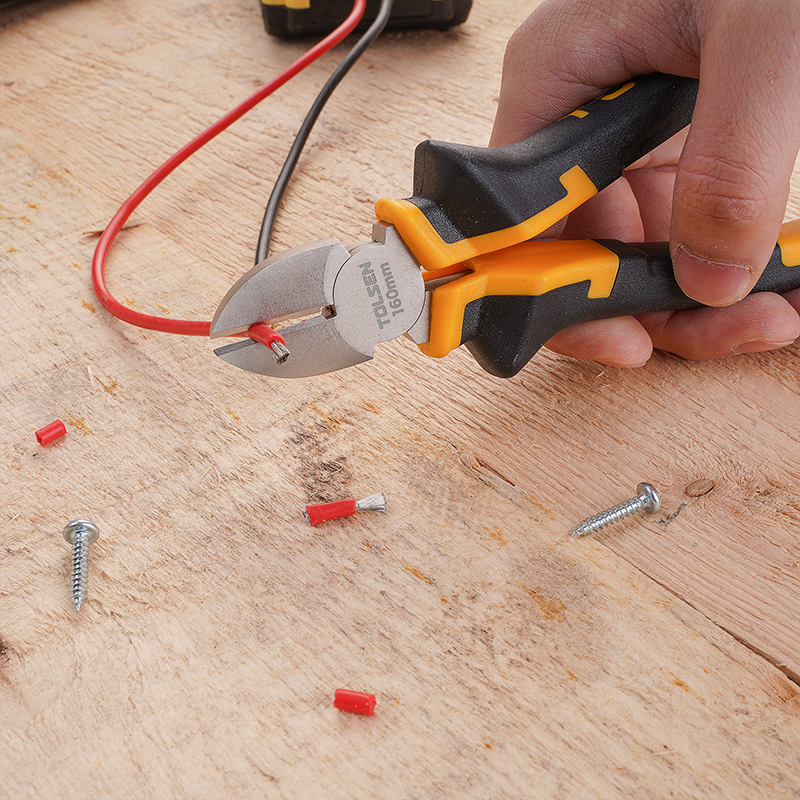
(699, 487)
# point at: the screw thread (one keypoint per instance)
(80, 560)
(609, 517)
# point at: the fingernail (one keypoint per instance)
(710, 282)
(758, 347)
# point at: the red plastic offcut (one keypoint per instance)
(55, 430)
(322, 512)
(357, 702)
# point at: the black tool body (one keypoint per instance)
(289, 20)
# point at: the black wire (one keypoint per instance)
(278, 190)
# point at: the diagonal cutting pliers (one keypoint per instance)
(457, 262)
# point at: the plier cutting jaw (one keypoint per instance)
(347, 300)
(454, 264)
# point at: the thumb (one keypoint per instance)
(732, 182)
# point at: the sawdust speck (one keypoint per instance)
(79, 423)
(332, 420)
(110, 388)
(497, 535)
(417, 574)
(679, 683)
(552, 609)
(543, 508)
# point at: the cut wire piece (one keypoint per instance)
(338, 509)
(48, 434)
(357, 702)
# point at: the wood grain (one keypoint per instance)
(508, 660)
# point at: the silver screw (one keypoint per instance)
(80, 533)
(647, 500)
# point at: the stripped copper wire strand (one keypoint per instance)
(263, 334)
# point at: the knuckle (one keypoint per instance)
(725, 191)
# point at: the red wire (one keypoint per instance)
(185, 326)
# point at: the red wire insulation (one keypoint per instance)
(357, 702)
(324, 512)
(262, 333)
(184, 326)
(48, 434)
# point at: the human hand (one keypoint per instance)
(717, 193)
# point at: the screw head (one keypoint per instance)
(78, 525)
(652, 497)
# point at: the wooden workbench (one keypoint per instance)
(657, 660)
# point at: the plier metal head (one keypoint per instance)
(339, 302)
